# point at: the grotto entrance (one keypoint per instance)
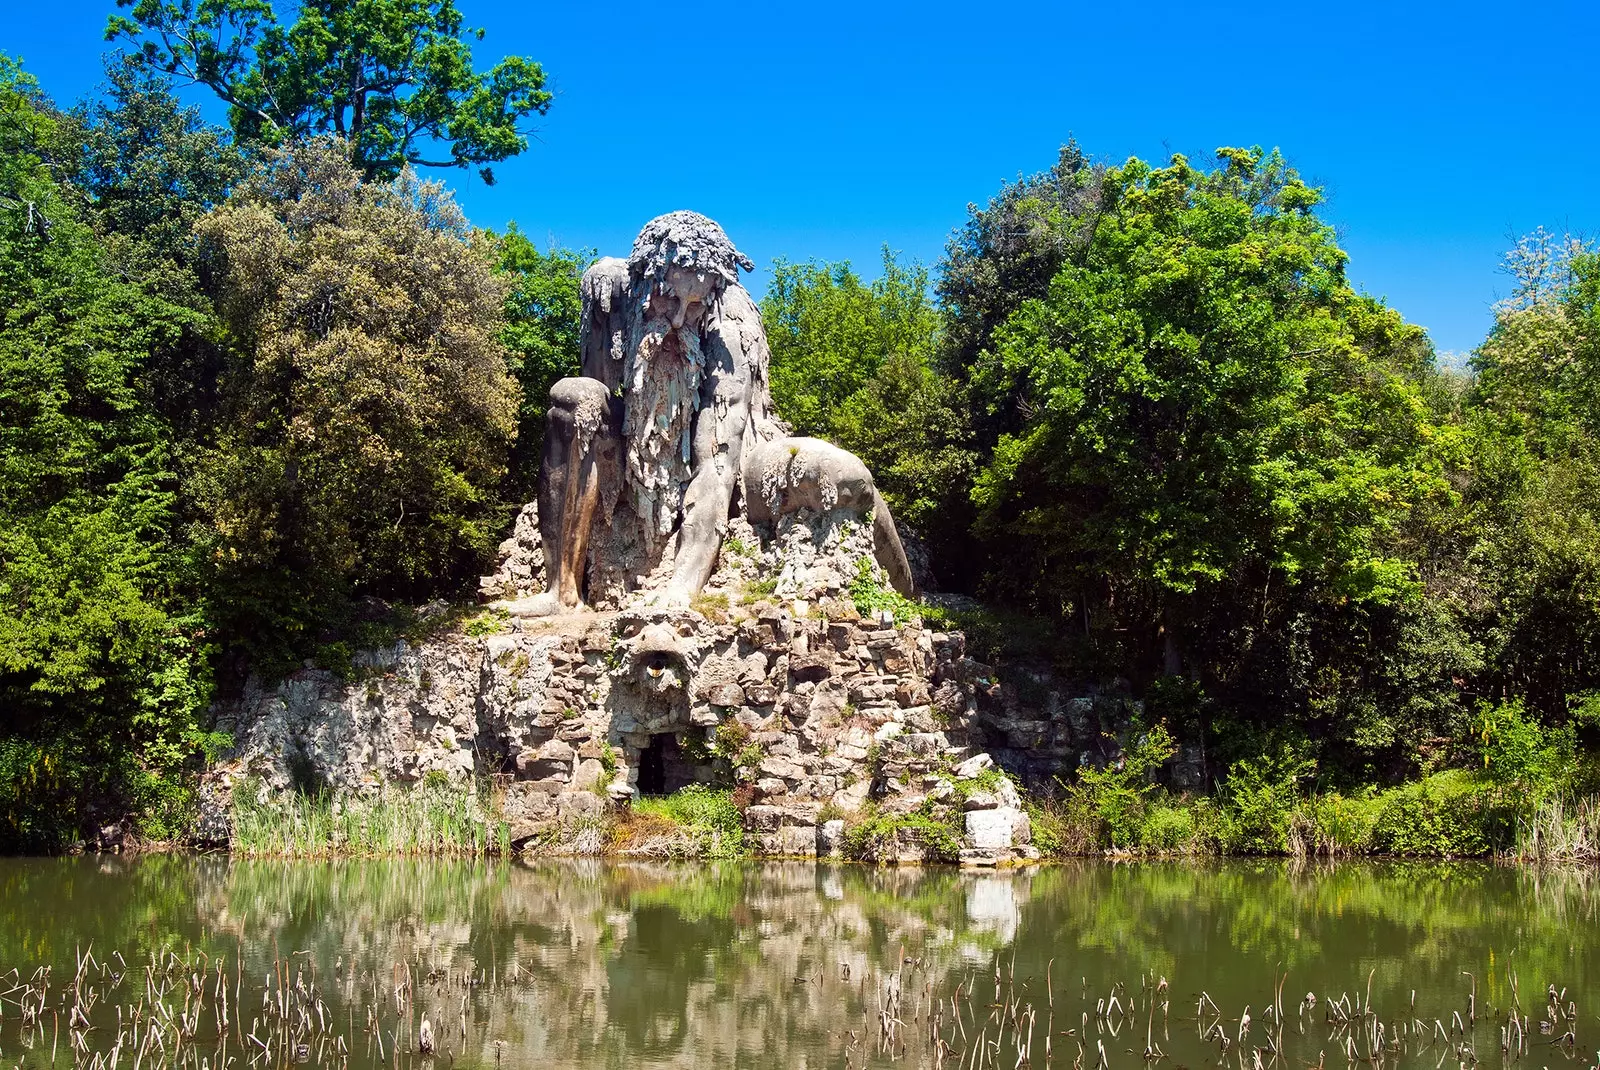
(662, 767)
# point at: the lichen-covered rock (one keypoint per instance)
(564, 718)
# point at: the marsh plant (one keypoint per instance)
(433, 817)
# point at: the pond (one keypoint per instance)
(204, 961)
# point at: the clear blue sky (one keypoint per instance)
(827, 130)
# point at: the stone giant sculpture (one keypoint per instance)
(670, 429)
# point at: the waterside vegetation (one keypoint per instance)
(262, 387)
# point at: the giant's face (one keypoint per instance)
(688, 294)
(659, 657)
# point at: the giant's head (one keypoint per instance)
(687, 257)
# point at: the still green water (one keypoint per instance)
(591, 964)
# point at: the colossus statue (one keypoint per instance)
(670, 429)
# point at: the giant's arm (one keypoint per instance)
(721, 427)
(785, 475)
(718, 439)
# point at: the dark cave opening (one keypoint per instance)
(662, 766)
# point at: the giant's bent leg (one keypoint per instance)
(577, 433)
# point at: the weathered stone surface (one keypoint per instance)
(812, 668)
(973, 766)
(726, 694)
(760, 694)
(560, 712)
(991, 829)
(551, 759)
(763, 818)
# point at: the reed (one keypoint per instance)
(1560, 830)
(197, 1012)
(427, 819)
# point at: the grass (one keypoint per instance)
(1560, 830)
(433, 818)
(695, 822)
(878, 837)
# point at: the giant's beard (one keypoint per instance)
(663, 384)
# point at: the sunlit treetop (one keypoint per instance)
(394, 77)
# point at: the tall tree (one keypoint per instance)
(543, 308)
(1217, 437)
(393, 77)
(368, 405)
(149, 168)
(854, 363)
(102, 668)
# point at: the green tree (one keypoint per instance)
(393, 77)
(1535, 411)
(102, 668)
(1219, 443)
(854, 363)
(149, 168)
(368, 406)
(1008, 252)
(830, 333)
(542, 314)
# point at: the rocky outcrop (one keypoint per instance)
(771, 679)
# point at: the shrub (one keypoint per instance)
(1168, 828)
(1261, 795)
(1116, 796)
(1519, 754)
(880, 837)
(694, 822)
(1335, 824)
(1448, 813)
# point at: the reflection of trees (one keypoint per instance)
(690, 966)
(1416, 925)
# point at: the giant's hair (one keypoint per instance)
(689, 240)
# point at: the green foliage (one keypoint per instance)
(1448, 813)
(1262, 794)
(102, 668)
(491, 621)
(434, 817)
(880, 837)
(394, 77)
(367, 406)
(1117, 795)
(540, 335)
(830, 333)
(872, 597)
(708, 816)
(732, 741)
(1530, 761)
(853, 363)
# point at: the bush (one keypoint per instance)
(1262, 795)
(1168, 828)
(693, 822)
(1334, 824)
(1518, 754)
(1449, 813)
(1117, 795)
(879, 837)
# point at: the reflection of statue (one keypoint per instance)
(645, 452)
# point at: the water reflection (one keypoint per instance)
(777, 965)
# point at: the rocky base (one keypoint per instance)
(826, 719)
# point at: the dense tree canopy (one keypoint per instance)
(854, 363)
(393, 77)
(102, 672)
(368, 404)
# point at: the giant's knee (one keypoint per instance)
(808, 473)
(576, 392)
